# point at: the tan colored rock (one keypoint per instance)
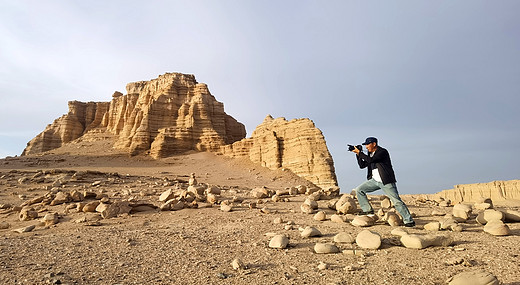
(260, 193)
(368, 239)
(237, 264)
(310, 232)
(496, 191)
(344, 237)
(25, 229)
(433, 226)
(313, 204)
(90, 206)
(296, 145)
(50, 219)
(512, 216)
(320, 216)
(424, 241)
(477, 277)
(167, 195)
(279, 241)
(393, 219)
(27, 214)
(305, 208)
(362, 221)
(114, 209)
(4, 225)
(60, 198)
(325, 248)
(399, 232)
(226, 207)
(165, 115)
(346, 205)
(338, 218)
(462, 211)
(211, 198)
(497, 228)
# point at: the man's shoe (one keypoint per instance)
(410, 225)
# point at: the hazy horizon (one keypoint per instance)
(435, 82)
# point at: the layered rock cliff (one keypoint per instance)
(165, 115)
(496, 190)
(296, 145)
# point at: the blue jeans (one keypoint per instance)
(390, 190)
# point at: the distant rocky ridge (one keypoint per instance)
(174, 113)
(496, 190)
(296, 145)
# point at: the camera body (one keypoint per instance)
(351, 147)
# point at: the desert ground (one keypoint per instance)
(198, 245)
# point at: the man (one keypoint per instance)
(380, 176)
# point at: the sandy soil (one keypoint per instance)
(197, 246)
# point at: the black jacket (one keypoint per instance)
(381, 161)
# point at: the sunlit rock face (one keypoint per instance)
(496, 190)
(169, 114)
(296, 145)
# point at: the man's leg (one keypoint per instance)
(390, 190)
(361, 193)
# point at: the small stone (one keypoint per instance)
(368, 239)
(225, 207)
(344, 237)
(25, 229)
(424, 241)
(478, 277)
(27, 214)
(278, 220)
(512, 216)
(362, 221)
(338, 218)
(433, 226)
(323, 266)
(310, 232)
(237, 264)
(50, 219)
(325, 248)
(305, 208)
(438, 213)
(313, 204)
(4, 225)
(212, 198)
(320, 216)
(393, 219)
(497, 228)
(167, 195)
(346, 205)
(279, 241)
(462, 211)
(90, 206)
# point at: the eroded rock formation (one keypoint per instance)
(165, 115)
(296, 145)
(496, 190)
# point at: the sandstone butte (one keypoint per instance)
(174, 113)
(496, 190)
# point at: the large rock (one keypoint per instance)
(279, 241)
(325, 248)
(165, 115)
(296, 145)
(497, 228)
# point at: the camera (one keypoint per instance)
(351, 147)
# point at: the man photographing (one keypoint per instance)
(380, 176)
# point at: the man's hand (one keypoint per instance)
(356, 150)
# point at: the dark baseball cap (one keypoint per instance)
(369, 140)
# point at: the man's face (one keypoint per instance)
(371, 147)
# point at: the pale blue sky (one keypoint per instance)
(436, 81)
